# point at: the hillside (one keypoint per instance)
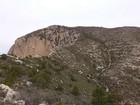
(61, 65)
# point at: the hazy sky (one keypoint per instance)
(19, 17)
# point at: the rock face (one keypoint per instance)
(43, 42)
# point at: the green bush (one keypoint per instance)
(16, 71)
(3, 56)
(41, 79)
(9, 80)
(11, 75)
(59, 88)
(113, 99)
(60, 103)
(35, 102)
(101, 97)
(72, 78)
(75, 91)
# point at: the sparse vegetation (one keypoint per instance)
(75, 91)
(59, 87)
(36, 101)
(101, 97)
(11, 74)
(72, 78)
(3, 56)
(60, 103)
(41, 79)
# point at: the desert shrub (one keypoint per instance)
(31, 72)
(0, 73)
(113, 99)
(11, 75)
(72, 78)
(41, 79)
(42, 64)
(75, 91)
(56, 65)
(101, 97)
(16, 71)
(35, 102)
(9, 80)
(3, 56)
(60, 103)
(51, 64)
(70, 85)
(59, 88)
(4, 66)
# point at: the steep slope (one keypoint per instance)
(81, 57)
(43, 42)
(123, 75)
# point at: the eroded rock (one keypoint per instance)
(7, 96)
(43, 42)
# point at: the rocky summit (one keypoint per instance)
(43, 42)
(61, 65)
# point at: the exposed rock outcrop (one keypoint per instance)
(44, 41)
(7, 96)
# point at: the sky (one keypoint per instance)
(20, 17)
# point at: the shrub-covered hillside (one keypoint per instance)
(73, 66)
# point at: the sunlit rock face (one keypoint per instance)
(43, 42)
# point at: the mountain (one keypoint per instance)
(61, 65)
(43, 42)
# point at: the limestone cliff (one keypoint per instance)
(44, 41)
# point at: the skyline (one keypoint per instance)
(19, 18)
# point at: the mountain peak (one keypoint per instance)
(44, 41)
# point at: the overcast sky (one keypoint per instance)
(19, 17)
